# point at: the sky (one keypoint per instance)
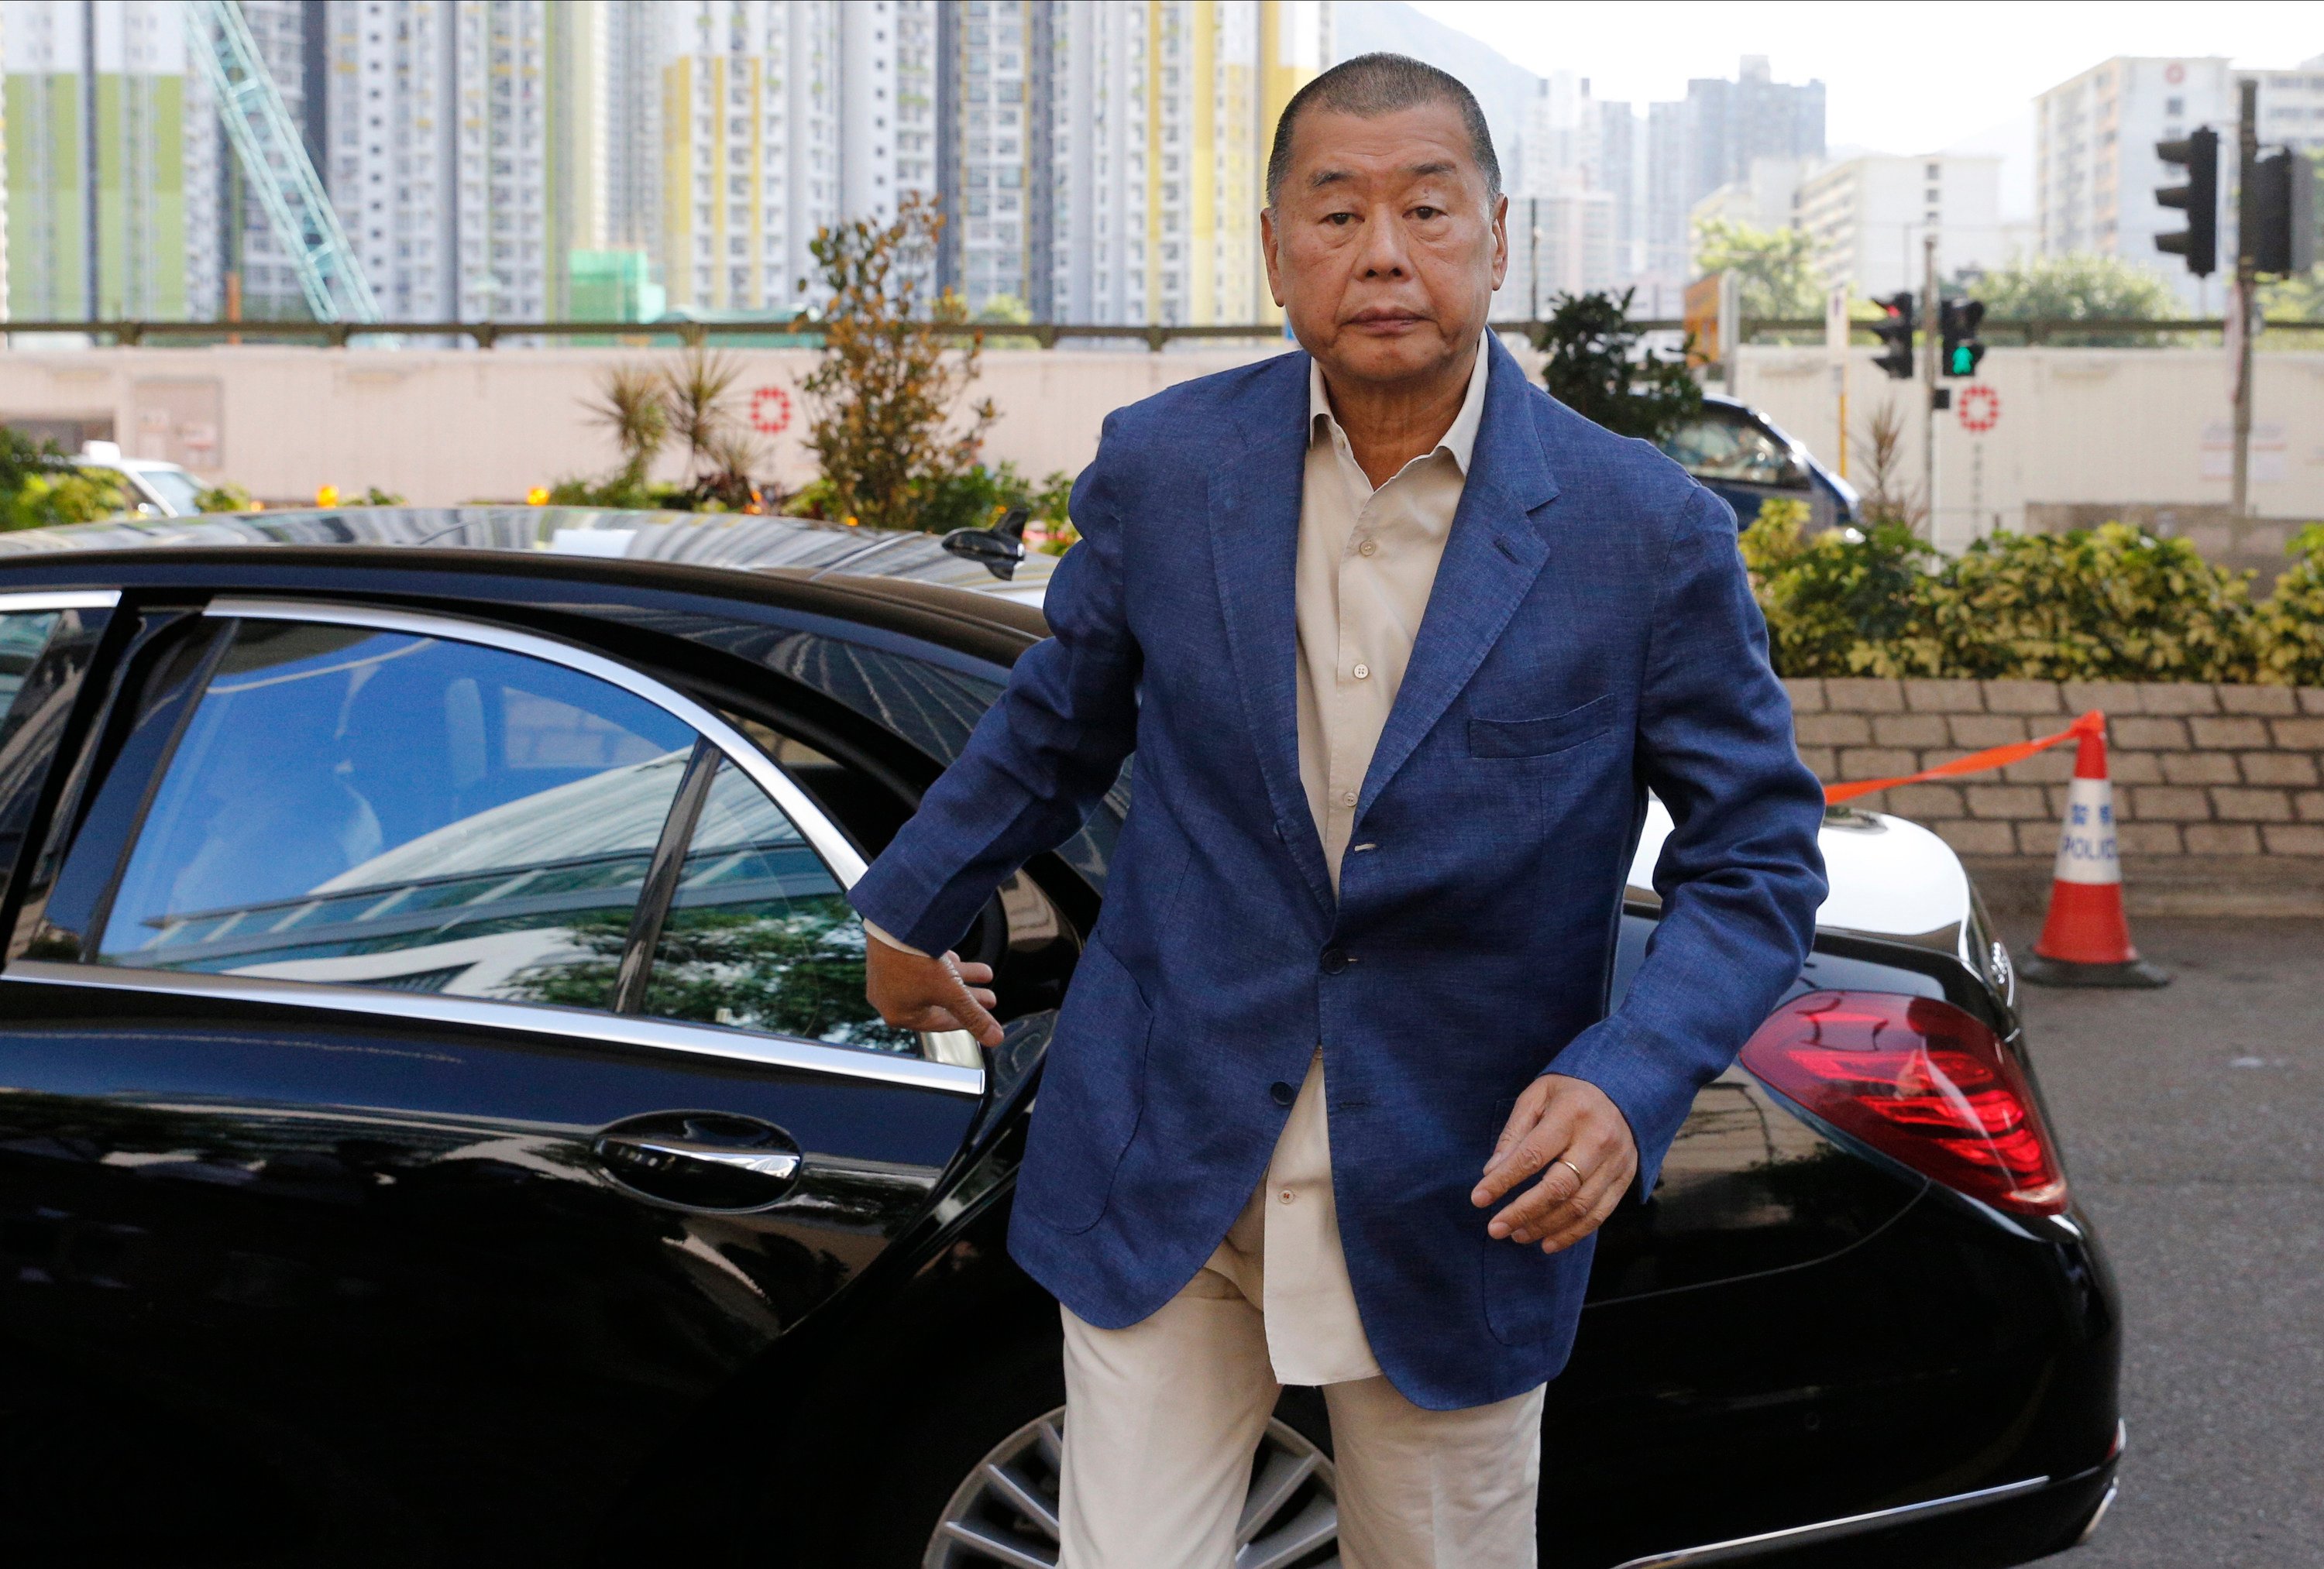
(1969, 66)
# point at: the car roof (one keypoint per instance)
(738, 556)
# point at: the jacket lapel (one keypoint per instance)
(1492, 559)
(1255, 503)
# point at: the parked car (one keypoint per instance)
(1745, 457)
(440, 1120)
(154, 489)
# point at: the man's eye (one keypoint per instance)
(1340, 220)
(1424, 213)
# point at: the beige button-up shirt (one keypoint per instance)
(1367, 561)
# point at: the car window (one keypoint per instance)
(758, 934)
(1727, 444)
(377, 809)
(176, 488)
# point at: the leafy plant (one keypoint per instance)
(642, 409)
(2290, 630)
(885, 396)
(1837, 604)
(39, 487)
(719, 451)
(1597, 366)
(222, 497)
(2093, 605)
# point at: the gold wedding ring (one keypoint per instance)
(1578, 1178)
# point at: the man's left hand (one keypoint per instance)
(1572, 1132)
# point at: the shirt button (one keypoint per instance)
(1281, 1093)
(1284, 1197)
(1362, 671)
(1348, 798)
(1369, 547)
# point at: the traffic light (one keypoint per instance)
(2198, 199)
(2279, 213)
(1895, 331)
(1957, 324)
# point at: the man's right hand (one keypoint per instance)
(913, 992)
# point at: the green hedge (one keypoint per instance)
(2095, 604)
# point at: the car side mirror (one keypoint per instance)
(1000, 548)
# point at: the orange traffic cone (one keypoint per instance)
(2086, 941)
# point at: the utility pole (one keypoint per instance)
(1533, 253)
(1932, 327)
(2246, 271)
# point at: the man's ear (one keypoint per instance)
(1267, 253)
(1500, 239)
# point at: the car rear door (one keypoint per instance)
(437, 1063)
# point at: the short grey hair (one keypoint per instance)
(1381, 84)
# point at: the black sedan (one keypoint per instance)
(441, 1122)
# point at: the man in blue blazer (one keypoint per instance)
(1401, 644)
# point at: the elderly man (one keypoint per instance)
(1401, 644)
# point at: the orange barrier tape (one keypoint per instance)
(2092, 724)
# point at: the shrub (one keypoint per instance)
(2103, 604)
(2291, 629)
(222, 497)
(39, 487)
(1837, 604)
(1595, 366)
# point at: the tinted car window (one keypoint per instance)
(758, 934)
(369, 808)
(1727, 444)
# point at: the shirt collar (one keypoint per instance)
(1460, 442)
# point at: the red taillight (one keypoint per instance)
(1919, 1081)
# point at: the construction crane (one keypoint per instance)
(275, 162)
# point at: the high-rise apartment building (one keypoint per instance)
(778, 118)
(1104, 160)
(464, 151)
(97, 117)
(1711, 139)
(1868, 217)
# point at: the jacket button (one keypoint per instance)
(1334, 960)
(1281, 1093)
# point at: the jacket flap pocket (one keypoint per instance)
(1535, 738)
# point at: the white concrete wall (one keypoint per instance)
(441, 427)
(2073, 425)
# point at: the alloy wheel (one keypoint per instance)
(1005, 1513)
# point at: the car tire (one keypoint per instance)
(981, 1488)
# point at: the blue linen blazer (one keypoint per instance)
(1591, 635)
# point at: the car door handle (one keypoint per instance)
(662, 1154)
(700, 1159)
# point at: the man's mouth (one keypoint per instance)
(1385, 319)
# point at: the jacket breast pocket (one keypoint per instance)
(1538, 737)
(1091, 1095)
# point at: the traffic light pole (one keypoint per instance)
(1932, 330)
(2246, 278)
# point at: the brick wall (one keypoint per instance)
(2198, 771)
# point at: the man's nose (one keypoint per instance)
(1385, 255)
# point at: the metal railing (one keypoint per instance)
(805, 333)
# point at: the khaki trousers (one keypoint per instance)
(1162, 1420)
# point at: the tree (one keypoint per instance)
(2079, 286)
(885, 396)
(1778, 280)
(1596, 368)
